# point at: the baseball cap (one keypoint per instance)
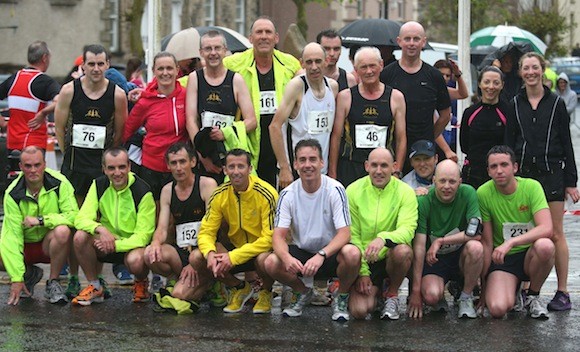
(422, 147)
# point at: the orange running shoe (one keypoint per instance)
(141, 291)
(89, 295)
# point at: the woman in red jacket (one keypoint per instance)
(161, 111)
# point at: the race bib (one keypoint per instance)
(186, 234)
(89, 136)
(268, 103)
(447, 248)
(515, 229)
(370, 136)
(213, 119)
(319, 122)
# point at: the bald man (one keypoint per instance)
(372, 228)
(308, 107)
(422, 85)
(450, 215)
(368, 116)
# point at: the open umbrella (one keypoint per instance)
(371, 32)
(499, 36)
(517, 49)
(185, 43)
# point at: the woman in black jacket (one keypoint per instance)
(538, 130)
(483, 126)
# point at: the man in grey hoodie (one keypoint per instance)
(567, 94)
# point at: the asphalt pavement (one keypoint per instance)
(120, 325)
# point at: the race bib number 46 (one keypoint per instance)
(186, 234)
(268, 104)
(370, 136)
(89, 136)
(213, 119)
(515, 229)
(319, 122)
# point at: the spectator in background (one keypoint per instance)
(134, 72)
(447, 141)
(567, 94)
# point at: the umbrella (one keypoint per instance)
(499, 36)
(371, 32)
(185, 44)
(517, 48)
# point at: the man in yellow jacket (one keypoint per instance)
(115, 224)
(383, 210)
(247, 204)
(266, 72)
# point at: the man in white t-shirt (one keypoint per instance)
(315, 210)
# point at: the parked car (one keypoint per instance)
(570, 66)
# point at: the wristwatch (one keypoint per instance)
(322, 253)
(40, 220)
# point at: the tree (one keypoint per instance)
(546, 24)
(301, 13)
(440, 17)
(134, 18)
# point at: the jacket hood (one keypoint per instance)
(563, 76)
(151, 90)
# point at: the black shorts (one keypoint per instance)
(183, 254)
(552, 181)
(328, 268)
(513, 264)
(81, 181)
(446, 267)
(474, 176)
(156, 180)
(348, 171)
(113, 258)
(250, 265)
(378, 272)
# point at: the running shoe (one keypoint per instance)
(535, 308)
(141, 291)
(441, 306)
(391, 309)
(54, 292)
(319, 299)
(238, 297)
(64, 272)
(264, 302)
(521, 297)
(466, 308)
(560, 302)
(218, 295)
(32, 276)
(300, 300)
(88, 296)
(340, 311)
(73, 288)
(124, 277)
(106, 290)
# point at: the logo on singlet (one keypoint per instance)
(524, 208)
(197, 211)
(93, 114)
(370, 111)
(214, 97)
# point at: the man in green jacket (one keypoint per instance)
(39, 208)
(383, 211)
(266, 72)
(115, 224)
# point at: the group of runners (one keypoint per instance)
(204, 210)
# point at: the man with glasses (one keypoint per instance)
(215, 97)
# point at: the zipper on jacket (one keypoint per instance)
(240, 216)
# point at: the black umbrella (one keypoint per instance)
(517, 48)
(370, 32)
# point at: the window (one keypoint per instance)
(209, 11)
(241, 16)
(114, 25)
